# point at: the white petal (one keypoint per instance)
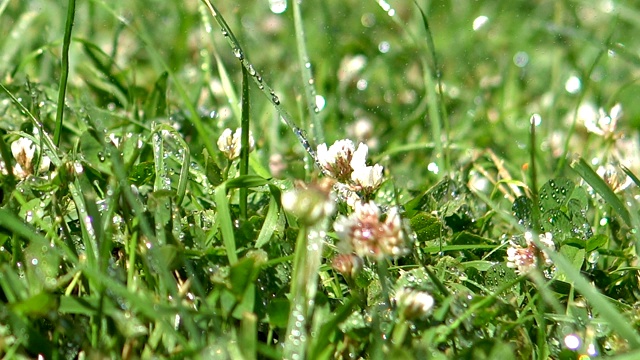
(359, 158)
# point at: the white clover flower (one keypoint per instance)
(367, 178)
(365, 234)
(24, 151)
(230, 144)
(414, 304)
(337, 158)
(343, 162)
(604, 124)
(523, 259)
(359, 158)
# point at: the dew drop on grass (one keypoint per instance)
(77, 167)
(320, 103)
(277, 6)
(238, 53)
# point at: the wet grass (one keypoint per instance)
(127, 232)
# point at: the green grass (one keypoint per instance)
(142, 239)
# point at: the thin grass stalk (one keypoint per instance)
(304, 285)
(296, 330)
(244, 142)
(308, 83)
(64, 73)
(436, 109)
(534, 177)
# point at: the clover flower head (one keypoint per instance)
(523, 259)
(604, 124)
(24, 151)
(413, 303)
(230, 144)
(367, 178)
(336, 159)
(364, 233)
(349, 265)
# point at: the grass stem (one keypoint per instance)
(64, 71)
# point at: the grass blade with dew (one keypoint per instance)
(436, 108)
(595, 181)
(182, 156)
(244, 142)
(308, 82)
(64, 73)
(224, 218)
(271, 219)
(262, 85)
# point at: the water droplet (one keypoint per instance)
(320, 103)
(251, 70)
(77, 167)
(238, 53)
(479, 22)
(277, 6)
(572, 341)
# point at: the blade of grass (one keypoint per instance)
(308, 82)
(270, 220)
(64, 73)
(595, 181)
(224, 215)
(249, 336)
(244, 142)
(437, 112)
